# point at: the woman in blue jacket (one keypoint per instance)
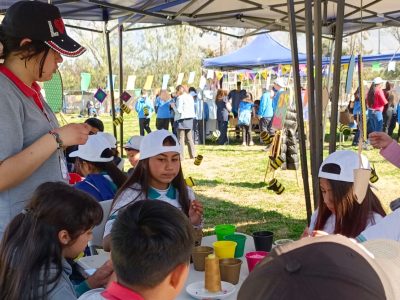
(144, 108)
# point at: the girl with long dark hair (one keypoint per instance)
(157, 176)
(338, 210)
(55, 225)
(32, 40)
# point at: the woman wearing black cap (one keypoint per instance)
(32, 39)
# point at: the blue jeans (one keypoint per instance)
(375, 120)
(223, 128)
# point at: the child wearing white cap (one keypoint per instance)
(132, 149)
(338, 210)
(157, 176)
(94, 162)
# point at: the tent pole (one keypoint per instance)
(319, 142)
(110, 77)
(311, 99)
(121, 77)
(336, 74)
(299, 104)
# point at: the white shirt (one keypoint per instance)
(134, 193)
(184, 108)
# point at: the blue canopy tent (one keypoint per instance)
(262, 51)
(373, 58)
(265, 51)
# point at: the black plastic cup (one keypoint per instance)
(263, 240)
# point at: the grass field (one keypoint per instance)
(230, 184)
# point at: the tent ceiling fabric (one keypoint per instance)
(260, 15)
(272, 15)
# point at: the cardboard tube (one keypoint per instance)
(212, 274)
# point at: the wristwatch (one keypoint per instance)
(57, 138)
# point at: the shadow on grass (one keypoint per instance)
(248, 219)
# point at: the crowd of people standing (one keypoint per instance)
(194, 115)
(383, 110)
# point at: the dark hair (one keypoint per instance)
(192, 89)
(148, 240)
(371, 95)
(141, 176)
(220, 95)
(248, 95)
(117, 176)
(27, 51)
(96, 123)
(351, 217)
(30, 250)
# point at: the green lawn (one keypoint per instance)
(230, 184)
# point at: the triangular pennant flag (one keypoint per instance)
(149, 82)
(165, 80)
(85, 81)
(130, 85)
(191, 77)
(264, 74)
(392, 66)
(285, 69)
(180, 78)
(210, 74)
(203, 82)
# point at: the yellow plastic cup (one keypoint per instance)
(225, 249)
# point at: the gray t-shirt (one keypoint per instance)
(22, 123)
(63, 290)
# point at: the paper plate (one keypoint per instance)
(197, 290)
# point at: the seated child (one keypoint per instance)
(132, 148)
(95, 124)
(157, 176)
(151, 246)
(338, 210)
(117, 160)
(55, 225)
(94, 162)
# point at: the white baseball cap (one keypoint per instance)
(134, 143)
(152, 144)
(279, 81)
(346, 161)
(377, 80)
(92, 150)
(112, 141)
